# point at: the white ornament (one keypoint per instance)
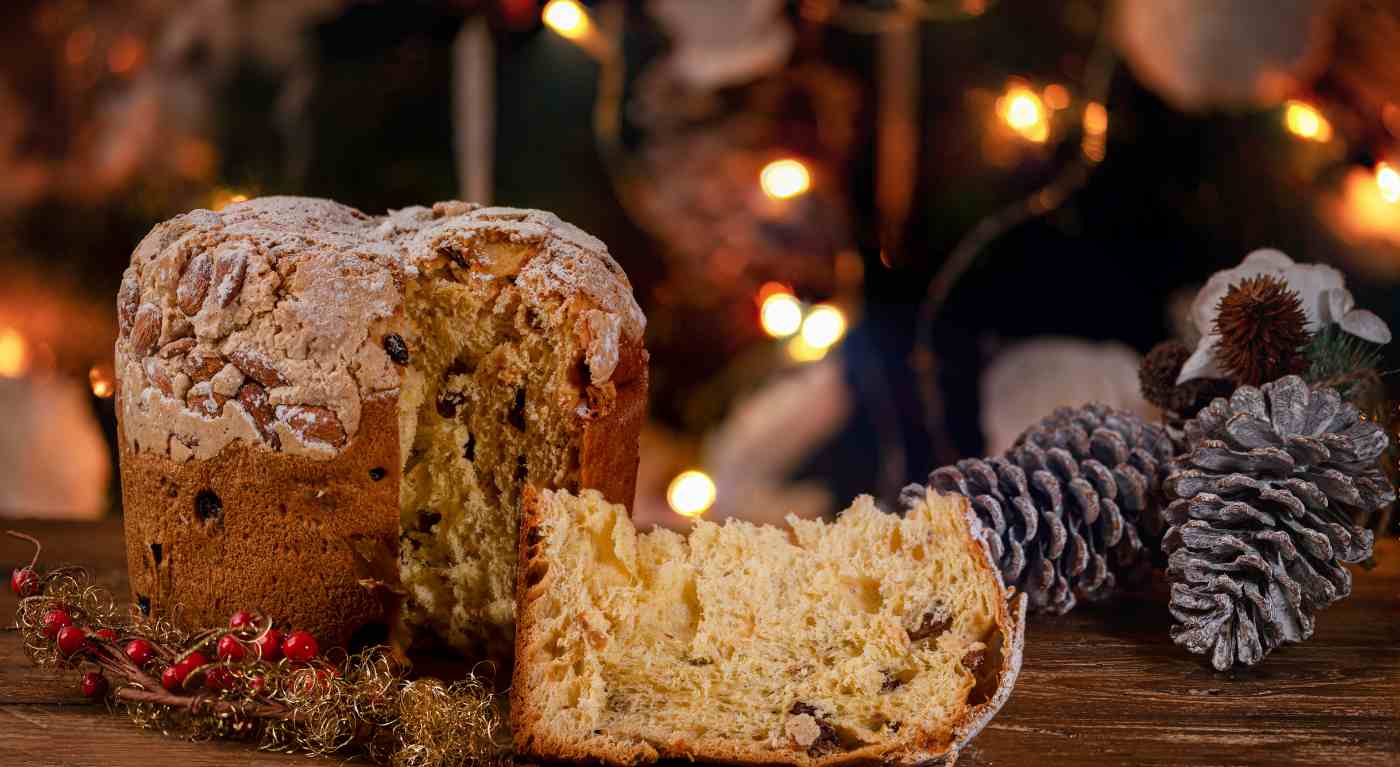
(1209, 54)
(717, 43)
(1029, 380)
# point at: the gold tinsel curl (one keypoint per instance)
(334, 705)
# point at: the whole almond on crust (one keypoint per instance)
(230, 267)
(253, 397)
(205, 401)
(128, 297)
(313, 423)
(156, 374)
(202, 364)
(145, 330)
(194, 284)
(176, 348)
(257, 366)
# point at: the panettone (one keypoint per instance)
(876, 639)
(323, 411)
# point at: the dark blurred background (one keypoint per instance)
(1116, 153)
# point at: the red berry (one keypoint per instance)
(140, 651)
(219, 678)
(24, 581)
(171, 679)
(230, 648)
(71, 639)
(269, 646)
(240, 619)
(94, 685)
(191, 662)
(107, 634)
(300, 646)
(54, 620)
(259, 684)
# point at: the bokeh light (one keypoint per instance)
(823, 327)
(691, 493)
(1306, 122)
(1388, 180)
(781, 315)
(785, 179)
(567, 18)
(14, 354)
(1023, 111)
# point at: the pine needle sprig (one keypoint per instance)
(1341, 360)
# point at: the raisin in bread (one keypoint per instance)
(876, 638)
(313, 400)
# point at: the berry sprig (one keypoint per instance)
(251, 680)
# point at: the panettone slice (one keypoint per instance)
(878, 638)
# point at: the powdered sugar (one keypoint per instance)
(307, 288)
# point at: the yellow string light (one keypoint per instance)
(1095, 143)
(100, 379)
(1306, 122)
(691, 493)
(1023, 111)
(14, 354)
(780, 315)
(1388, 180)
(785, 179)
(567, 18)
(823, 326)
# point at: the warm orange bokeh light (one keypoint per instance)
(784, 179)
(14, 353)
(101, 380)
(1305, 121)
(1023, 111)
(1388, 180)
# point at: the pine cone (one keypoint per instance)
(1065, 502)
(1157, 379)
(1261, 520)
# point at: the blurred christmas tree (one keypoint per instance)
(785, 182)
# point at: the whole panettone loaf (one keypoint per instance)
(876, 639)
(313, 401)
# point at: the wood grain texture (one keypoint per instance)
(1103, 686)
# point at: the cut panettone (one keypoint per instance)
(876, 638)
(315, 402)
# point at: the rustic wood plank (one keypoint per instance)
(1102, 686)
(88, 736)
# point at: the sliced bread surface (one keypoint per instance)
(875, 638)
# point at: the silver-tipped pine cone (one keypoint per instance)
(1064, 504)
(1262, 517)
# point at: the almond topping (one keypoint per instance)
(194, 284)
(145, 330)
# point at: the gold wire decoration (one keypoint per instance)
(360, 704)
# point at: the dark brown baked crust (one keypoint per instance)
(293, 536)
(921, 749)
(609, 453)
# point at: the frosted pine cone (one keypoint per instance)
(1262, 523)
(1065, 502)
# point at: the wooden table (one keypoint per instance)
(1102, 686)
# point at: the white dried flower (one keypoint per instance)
(1321, 292)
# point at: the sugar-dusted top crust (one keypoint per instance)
(267, 321)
